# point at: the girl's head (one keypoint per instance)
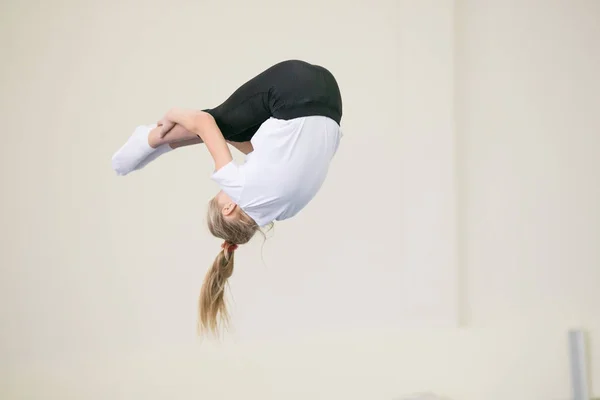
(226, 220)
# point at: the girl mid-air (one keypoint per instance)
(287, 122)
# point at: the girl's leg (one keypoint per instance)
(180, 137)
(240, 116)
(186, 142)
(177, 134)
(165, 148)
(286, 90)
(177, 137)
(145, 145)
(244, 147)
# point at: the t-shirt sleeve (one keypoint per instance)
(231, 179)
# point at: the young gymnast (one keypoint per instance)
(287, 122)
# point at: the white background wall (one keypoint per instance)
(490, 104)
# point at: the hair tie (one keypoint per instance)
(230, 247)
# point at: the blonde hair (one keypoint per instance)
(234, 231)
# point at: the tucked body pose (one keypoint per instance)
(287, 122)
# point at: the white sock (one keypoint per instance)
(134, 151)
(160, 150)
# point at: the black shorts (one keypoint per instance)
(287, 90)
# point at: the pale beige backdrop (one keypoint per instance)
(454, 243)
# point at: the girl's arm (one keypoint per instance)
(203, 124)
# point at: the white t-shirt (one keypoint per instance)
(286, 169)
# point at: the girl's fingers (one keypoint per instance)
(166, 128)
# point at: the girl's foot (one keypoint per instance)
(136, 150)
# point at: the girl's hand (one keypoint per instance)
(165, 127)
